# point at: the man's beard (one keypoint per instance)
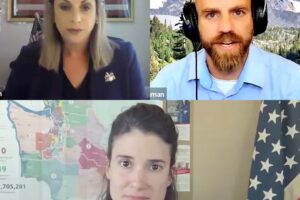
(227, 61)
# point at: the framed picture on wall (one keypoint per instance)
(119, 10)
(24, 10)
(179, 111)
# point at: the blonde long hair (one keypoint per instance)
(101, 49)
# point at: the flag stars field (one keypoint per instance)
(273, 116)
(277, 147)
(254, 183)
(290, 162)
(292, 131)
(263, 105)
(269, 195)
(263, 136)
(282, 115)
(266, 165)
(275, 171)
(294, 103)
(280, 177)
(254, 153)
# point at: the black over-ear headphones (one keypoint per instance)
(190, 19)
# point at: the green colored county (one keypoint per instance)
(75, 113)
(49, 171)
(31, 168)
(30, 164)
(31, 156)
(41, 169)
(70, 142)
(53, 174)
(107, 113)
(59, 168)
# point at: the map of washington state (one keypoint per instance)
(61, 146)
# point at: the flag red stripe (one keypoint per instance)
(182, 171)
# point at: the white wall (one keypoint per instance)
(13, 35)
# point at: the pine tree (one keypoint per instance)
(179, 50)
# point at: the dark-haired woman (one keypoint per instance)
(141, 153)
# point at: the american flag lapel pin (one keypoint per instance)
(109, 77)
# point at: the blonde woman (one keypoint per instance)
(76, 60)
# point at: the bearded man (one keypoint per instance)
(229, 66)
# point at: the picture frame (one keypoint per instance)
(120, 10)
(24, 10)
(179, 111)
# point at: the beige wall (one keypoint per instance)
(223, 134)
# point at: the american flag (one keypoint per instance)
(275, 170)
(36, 31)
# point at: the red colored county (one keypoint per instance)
(91, 156)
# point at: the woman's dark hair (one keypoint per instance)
(149, 119)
